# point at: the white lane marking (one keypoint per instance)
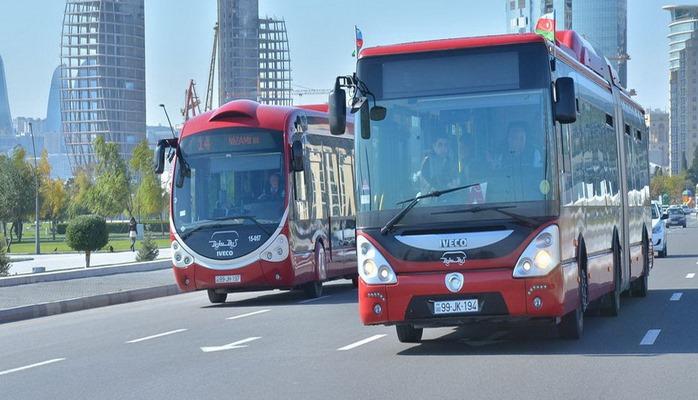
(235, 345)
(690, 276)
(156, 336)
(248, 314)
(9, 371)
(676, 296)
(360, 342)
(650, 337)
(312, 300)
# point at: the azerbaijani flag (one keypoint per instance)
(359, 38)
(546, 26)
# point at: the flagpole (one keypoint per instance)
(356, 44)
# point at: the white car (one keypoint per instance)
(659, 236)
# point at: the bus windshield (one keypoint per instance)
(236, 177)
(491, 127)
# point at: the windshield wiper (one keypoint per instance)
(413, 202)
(221, 225)
(247, 217)
(500, 209)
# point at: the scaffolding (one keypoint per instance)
(103, 76)
(274, 63)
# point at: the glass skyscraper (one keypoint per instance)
(103, 76)
(602, 22)
(683, 75)
(5, 116)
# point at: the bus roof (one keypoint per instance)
(247, 113)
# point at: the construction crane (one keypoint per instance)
(208, 105)
(192, 103)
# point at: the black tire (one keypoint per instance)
(313, 289)
(663, 253)
(610, 305)
(355, 282)
(216, 298)
(572, 324)
(684, 225)
(640, 286)
(409, 334)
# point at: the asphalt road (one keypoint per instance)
(277, 345)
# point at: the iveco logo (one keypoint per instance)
(454, 243)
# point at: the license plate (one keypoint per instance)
(228, 279)
(456, 306)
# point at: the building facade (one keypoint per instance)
(683, 86)
(253, 53)
(103, 76)
(5, 116)
(602, 22)
(659, 127)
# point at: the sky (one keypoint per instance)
(179, 36)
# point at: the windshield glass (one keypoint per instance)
(234, 172)
(452, 121)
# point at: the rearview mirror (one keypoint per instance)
(664, 216)
(378, 113)
(338, 111)
(566, 101)
(159, 159)
(297, 156)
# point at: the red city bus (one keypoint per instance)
(262, 198)
(499, 178)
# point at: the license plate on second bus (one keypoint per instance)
(456, 306)
(228, 279)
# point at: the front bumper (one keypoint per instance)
(258, 275)
(500, 296)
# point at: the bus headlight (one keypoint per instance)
(374, 269)
(277, 251)
(180, 257)
(541, 256)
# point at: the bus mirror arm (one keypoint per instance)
(565, 101)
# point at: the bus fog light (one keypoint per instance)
(384, 273)
(277, 276)
(537, 303)
(377, 309)
(186, 281)
(187, 260)
(269, 255)
(526, 265)
(178, 257)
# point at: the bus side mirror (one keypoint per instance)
(159, 158)
(664, 216)
(566, 101)
(297, 156)
(338, 111)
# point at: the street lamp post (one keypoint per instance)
(37, 241)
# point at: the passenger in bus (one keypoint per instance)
(439, 171)
(273, 190)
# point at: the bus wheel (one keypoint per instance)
(408, 333)
(313, 289)
(216, 298)
(610, 305)
(572, 324)
(640, 285)
(355, 282)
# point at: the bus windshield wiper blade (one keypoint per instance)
(413, 202)
(500, 209)
(218, 224)
(247, 217)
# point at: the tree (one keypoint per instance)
(78, 190)
(149, 194)
(54, 204)
(87, 233)
(692, 173)
(17, 194)
(149, 249)
(111, 193)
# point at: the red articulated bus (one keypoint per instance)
(499, 178)
(262, 198)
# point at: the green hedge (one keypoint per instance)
(122, 227)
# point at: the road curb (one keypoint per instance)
(85, 303)
(65, 275)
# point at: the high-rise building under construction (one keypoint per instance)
(254, 57)
(103, 76)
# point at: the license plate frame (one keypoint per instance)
(228, 278)
(464, 306)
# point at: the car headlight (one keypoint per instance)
(374, 269)
(180, 257)
(541, 256)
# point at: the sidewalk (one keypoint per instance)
(48, 298)
(53, 262)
